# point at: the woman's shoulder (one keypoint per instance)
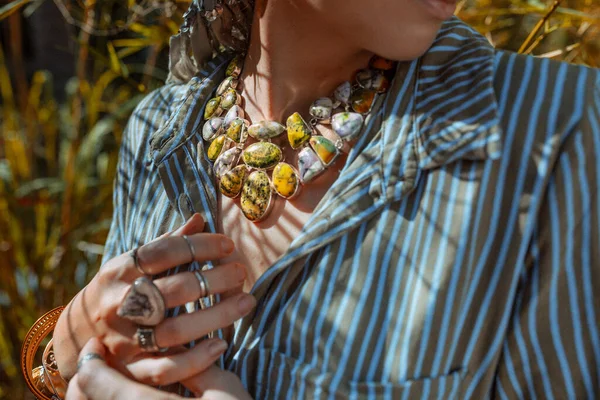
(545, 95)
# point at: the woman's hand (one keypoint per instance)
(93, 313)
(96, 380)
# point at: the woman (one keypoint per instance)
(450, 250)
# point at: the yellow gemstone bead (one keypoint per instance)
(231, 183)
(213, 108)
(299, 132)
(256, 196)
(216, 148)
(285, 180)
(236, 131)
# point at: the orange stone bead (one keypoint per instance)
(362, 100)
(381, 63)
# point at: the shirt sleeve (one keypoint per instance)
(146, 119)
(552, 348)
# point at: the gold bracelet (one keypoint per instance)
(44, 381)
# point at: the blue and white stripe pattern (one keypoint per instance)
(457, 255)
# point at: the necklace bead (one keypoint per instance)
(309, 165)
(226, 161)
(321, 109)
(213, 108)
(266, 130)
(262, 155)
(216, 148)
(212, 128)
(229, 99)
(243, 170)
(347, 125)
(285, 180)
(299, 132)
(237, 130)
(362, 100)
(231, 183)
(343, 92)
(325, 149)
(257, 197)
(229, 83)
(234, 112)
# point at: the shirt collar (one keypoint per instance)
(456, 114)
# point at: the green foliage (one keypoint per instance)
(57, 160)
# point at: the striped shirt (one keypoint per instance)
(457, 255)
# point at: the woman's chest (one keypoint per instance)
(260, 245)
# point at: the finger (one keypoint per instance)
(165, 370)
(98, 381)
(161, 255)
(123, 266)
(214, 383)
(73, 391)
(187, 327)
(184, 287)
(92, 349)
(195, 224)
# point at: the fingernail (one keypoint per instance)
(228, 246)
(217, 348)
(246, 303)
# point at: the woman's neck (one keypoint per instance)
(293, 58)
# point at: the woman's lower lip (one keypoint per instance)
(442, 9)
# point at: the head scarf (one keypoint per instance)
(209, 27)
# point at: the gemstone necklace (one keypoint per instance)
(243, 169)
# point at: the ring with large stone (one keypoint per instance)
(204, 288)
(143, 304)
(147, 339)
(136, 261)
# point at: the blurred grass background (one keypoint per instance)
(70, 74)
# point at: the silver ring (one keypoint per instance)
(88, 357)
(143, 304)
(136, 260)
(204, 289)
(147, 339)
(191, 247)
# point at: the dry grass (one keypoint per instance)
(57, 160)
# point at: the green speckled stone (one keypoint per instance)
(265, 130)
(262, 155)
(256, 196)
(230, 99)
(234, 69)
(231, 183)
(236, 131)
(299, 132)
(229, 83)
(213, 108)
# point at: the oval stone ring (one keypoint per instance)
(143, 304)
